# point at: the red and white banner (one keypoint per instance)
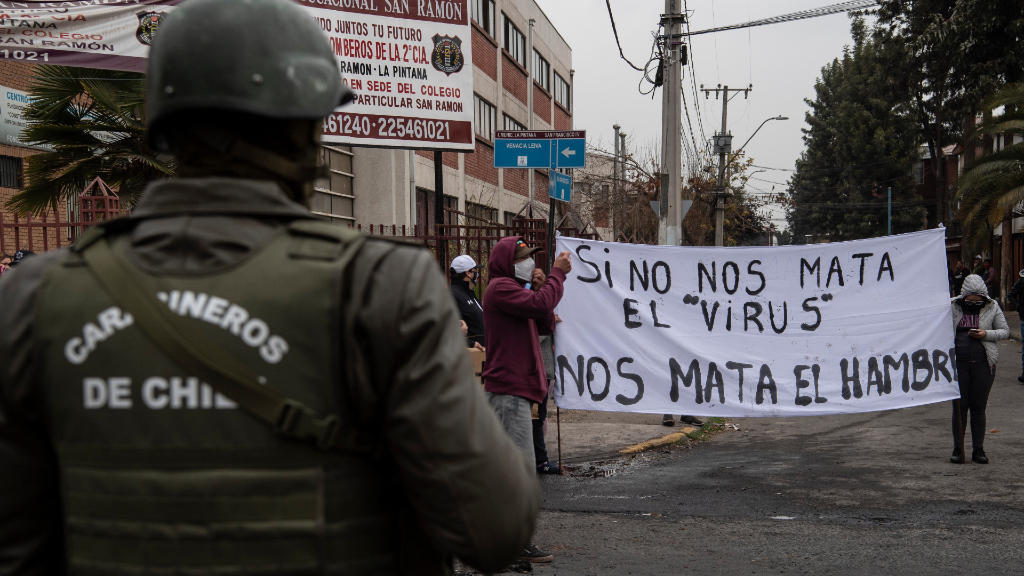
(408, 61)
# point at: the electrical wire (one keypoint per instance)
(615, 31)
(801, 15)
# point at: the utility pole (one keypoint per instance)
(723, 145)
(670, 232)
(612, 200)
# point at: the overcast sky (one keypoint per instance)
(782, 61)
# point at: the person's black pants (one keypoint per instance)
(540, 450)
(975, 380)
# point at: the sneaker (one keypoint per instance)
(548, 468)
(668, 420)
(691, 420)
(533, 554)
(1020, 378)
(979, 457)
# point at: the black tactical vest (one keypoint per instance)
(161, 474)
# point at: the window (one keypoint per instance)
(541, 71)
(509, 218)
(451, 210)
(332, 194)
(515, 42)
(480, 212)
(10, 171)
(561, 92)
(485, 113)
(483, 14)
(510, 123)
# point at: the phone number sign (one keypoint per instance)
(411, 68)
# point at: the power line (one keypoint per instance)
(801, 15)
(615, 31)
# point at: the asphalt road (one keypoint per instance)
(857, 494)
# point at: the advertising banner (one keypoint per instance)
(12, 119)
(408, 61)
(761, 331)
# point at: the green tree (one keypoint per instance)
(958, 53)
(91, 123)
(860, 142)
(993, 188)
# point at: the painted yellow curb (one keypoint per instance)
(654, 443)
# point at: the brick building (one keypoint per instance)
(519, 61)
(380, 186)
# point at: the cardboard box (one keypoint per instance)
(477, 358)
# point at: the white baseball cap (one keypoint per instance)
(463, 263)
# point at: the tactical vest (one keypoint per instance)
(162, 474)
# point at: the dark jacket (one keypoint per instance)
(513, 315)
(471, 310)
(441, 442)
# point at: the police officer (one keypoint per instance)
(221, 383)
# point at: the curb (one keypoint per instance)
(654, 443)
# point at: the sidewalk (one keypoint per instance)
(587, 436)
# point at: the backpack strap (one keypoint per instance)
(189, 348)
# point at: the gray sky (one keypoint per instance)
(782, 61)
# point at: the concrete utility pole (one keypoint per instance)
(613, 199)
(671, 215)
(723, 145)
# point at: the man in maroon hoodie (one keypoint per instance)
(519, 303)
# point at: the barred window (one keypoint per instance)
(10, 172)
(482, 12)
(480, 212)
(510, 123)
(485, 117)
(561, 92)
(515, 42)
(541, 71)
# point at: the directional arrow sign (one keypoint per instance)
(570, 153)
(560, 186)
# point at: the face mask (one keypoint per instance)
(972, 306)
(524, 270)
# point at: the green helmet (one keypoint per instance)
(262, 57)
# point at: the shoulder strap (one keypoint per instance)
(186, 346)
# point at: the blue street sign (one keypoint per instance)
(540, 149)
(569, 153)
(522, 153)
(560, 186)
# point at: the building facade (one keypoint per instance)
(522, 79)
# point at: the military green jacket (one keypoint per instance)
(435, 444)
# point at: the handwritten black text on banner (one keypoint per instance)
(798, 330)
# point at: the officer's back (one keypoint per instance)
(119, 453)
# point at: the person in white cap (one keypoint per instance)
(464, 274)
(1017, 297)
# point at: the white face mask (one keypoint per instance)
(524, 270)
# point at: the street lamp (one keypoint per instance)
(723, 170)
(767, 120)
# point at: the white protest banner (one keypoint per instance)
(760, 331)
(408, 61)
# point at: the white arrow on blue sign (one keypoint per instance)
(560, 186)
(540, 149)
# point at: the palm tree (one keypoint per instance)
(91, 124)
(993, 188)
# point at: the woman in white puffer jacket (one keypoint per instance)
(978, 323)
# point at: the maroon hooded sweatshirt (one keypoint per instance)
(513, 315)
